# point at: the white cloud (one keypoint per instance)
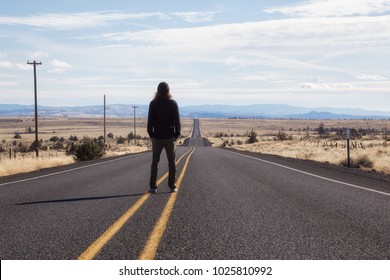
(340, 32)
(375, 77)
(333, 8)
(195, 17)
(327, 86)
(5, 64)
(66, 21)
(8, 64)
(8, 84)
(58, 66)
(253, 77)
(40, 55)
(23, 67)
(305, 57)
(344, 86)
(278, 56)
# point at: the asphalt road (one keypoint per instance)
(230, 205)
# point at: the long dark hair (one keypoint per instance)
(163, 91)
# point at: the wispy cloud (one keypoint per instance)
(7, 84)
(292, 53)
(9, 64)
(58, 66)
(66, 21)
(373, 77)
(287, 33)
(5, 64)
(275, 55)
(40, 55)
(333, 8)
(194, 17)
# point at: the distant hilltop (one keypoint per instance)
(199, 111)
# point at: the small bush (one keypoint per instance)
(121, 140)
(22, 148)
(130, 136)
(282, 136)
(17, 135)
(70, 149)
(364, 161)
(73, 138)
(58, 146)
(252, 137)
(321, 129)
(54, 139)
(88, 149)
(361, 161)
(34, 145)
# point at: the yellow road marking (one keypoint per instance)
(150, 249)
(96, 246)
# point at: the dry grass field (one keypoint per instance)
(53, 152)
(289, 138)
(64, 127)
(301, 139)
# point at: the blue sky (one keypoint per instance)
(313, 53)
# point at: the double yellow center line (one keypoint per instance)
(154, 239)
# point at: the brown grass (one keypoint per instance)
(65, 127)
(304, 145)
(27, 163)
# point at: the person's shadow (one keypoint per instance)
(85, 198)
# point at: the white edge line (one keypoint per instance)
(66, 171)
(311, 174)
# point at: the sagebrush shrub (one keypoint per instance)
(88, 149)
(252, 137)
(360, 161)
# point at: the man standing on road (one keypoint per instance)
(164, 129)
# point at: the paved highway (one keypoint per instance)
(230, 205)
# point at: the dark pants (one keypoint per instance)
(170, 149)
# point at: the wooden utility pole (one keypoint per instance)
(105, 134)
(135, 131)
(34, 63)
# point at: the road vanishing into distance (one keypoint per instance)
(230, 205)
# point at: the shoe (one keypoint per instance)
(152, 191)
(174, 189)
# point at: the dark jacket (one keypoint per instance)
(163, 119)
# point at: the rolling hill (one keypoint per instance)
(200, 111)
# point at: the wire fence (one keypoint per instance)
(14, 156)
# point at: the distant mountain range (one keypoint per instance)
(200, 111)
